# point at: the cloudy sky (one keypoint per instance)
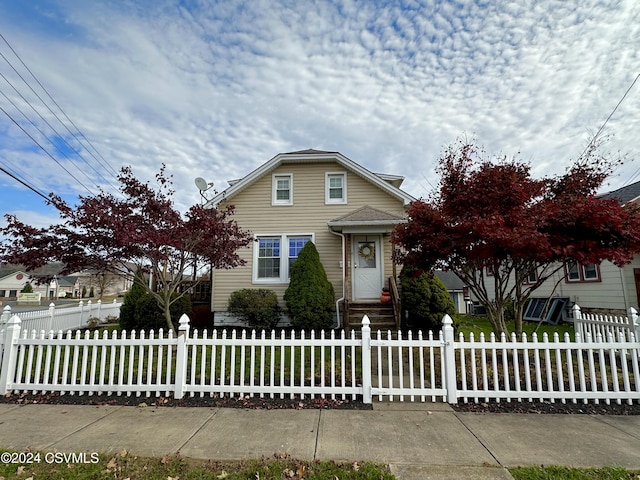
(214, 89)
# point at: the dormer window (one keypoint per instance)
(282, 189)
(336, 187)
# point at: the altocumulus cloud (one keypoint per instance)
(214, 89)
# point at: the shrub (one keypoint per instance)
(140, 310)
(425, 298)
(310, 296)
(259, 307)
(128, 307)
(148, 313)
(27, 288)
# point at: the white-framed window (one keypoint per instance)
(282, 189)
(582, 272)
(335, 187)
(273, 255)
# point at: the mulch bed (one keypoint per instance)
(557, 407)
(264, 403)
(268, 403)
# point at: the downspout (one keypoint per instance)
(343, 262)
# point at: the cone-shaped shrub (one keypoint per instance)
(426, 299)
(310, 296)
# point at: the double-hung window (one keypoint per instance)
(582, 272)
(275, 254)
(282, 189)
(336, 187)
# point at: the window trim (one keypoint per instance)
(529, 281)
(327, 188)
(274, 189)
(284, 256)
(582, 278)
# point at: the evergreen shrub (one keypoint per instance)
(258, 307)
(425, 298)
(310, 297)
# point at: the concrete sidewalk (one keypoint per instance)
(418, 441)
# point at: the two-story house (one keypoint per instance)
(348, 211)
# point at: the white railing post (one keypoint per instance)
(449, 360)
(633, 322)
(99, 315)
(577, 320)
(10, 352)
(89, 308)
(6, 315)
(181, 357)
(366, 360)
(52, 314)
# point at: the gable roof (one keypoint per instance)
(366, 216)
(625, 194)
(388, 183)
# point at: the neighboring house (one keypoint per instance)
(13, 278)
(457, 289)
(602, 288)
(348, 211)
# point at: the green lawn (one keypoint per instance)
(467, 324)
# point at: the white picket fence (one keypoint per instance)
(386, 365)
(605, 325)
(64, 318)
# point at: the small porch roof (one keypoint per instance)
(366, 219)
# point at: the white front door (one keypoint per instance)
(366, 267)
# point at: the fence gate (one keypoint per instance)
(407, 368)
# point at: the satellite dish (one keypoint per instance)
(202, 184)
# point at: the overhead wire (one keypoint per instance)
(36, 126)
(102, 160)
(45, 150)
(103, 163)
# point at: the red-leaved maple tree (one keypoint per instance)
(140, 230)
(495, 226)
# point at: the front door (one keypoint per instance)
(367, 267)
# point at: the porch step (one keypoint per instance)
(380, 315)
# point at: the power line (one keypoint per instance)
(33, 189)
(104, 161)
(61, 137)
(44, 149)
(593, 139)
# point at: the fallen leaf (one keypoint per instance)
(356, 466)
(222, 475)
(111, 464)
(301, 470)
(20, 470)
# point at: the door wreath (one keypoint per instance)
(367, 251)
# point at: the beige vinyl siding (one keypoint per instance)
(307, 215)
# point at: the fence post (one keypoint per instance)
(10, 352)
(577, 324)
(634, 324)
(99, 310)
(52, 314)
(181, 357)
(366, 360)
(449, 360)
(6, 315)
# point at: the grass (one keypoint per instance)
(173, 467)
(467, 324)
(124, 465)
(566, 473)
